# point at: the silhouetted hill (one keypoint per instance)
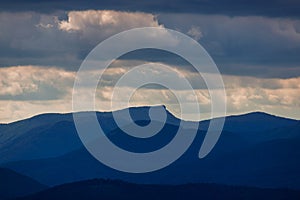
(253, 122)
(36, 137)
(14, 185)
(115, 190)
(255, 149)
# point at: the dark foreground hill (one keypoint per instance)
(14, 185)
(115, 190)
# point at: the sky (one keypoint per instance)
(255, 45)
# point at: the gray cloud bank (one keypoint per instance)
(273, 8)
(244, 45)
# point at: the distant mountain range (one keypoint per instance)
(255, 149)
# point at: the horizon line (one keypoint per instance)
(131, 107)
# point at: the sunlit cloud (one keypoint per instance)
(34, 83)
(107, 21)
(30, 90)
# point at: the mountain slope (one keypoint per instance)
(106, 189)
(252, 122)
(14, 185)
(52, 135)
(254, 149)
(233, 161)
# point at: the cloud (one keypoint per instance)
(245, 45)
(34, 83)
(45, 89)
(195, 32)
(248, 46)
(59, 39)
(244, 94)
(258, 57)
(106, 21)
(273, 8)
(252, 82)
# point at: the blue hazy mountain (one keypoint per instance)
(14, 185)
(51, 135)
(255, 149)
(108, 189)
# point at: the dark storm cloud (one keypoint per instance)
(31, 38)
(245, 45)
(277, 8)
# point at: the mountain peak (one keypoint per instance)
(259, 115)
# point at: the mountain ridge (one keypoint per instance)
(49, 150)
(261, 113)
